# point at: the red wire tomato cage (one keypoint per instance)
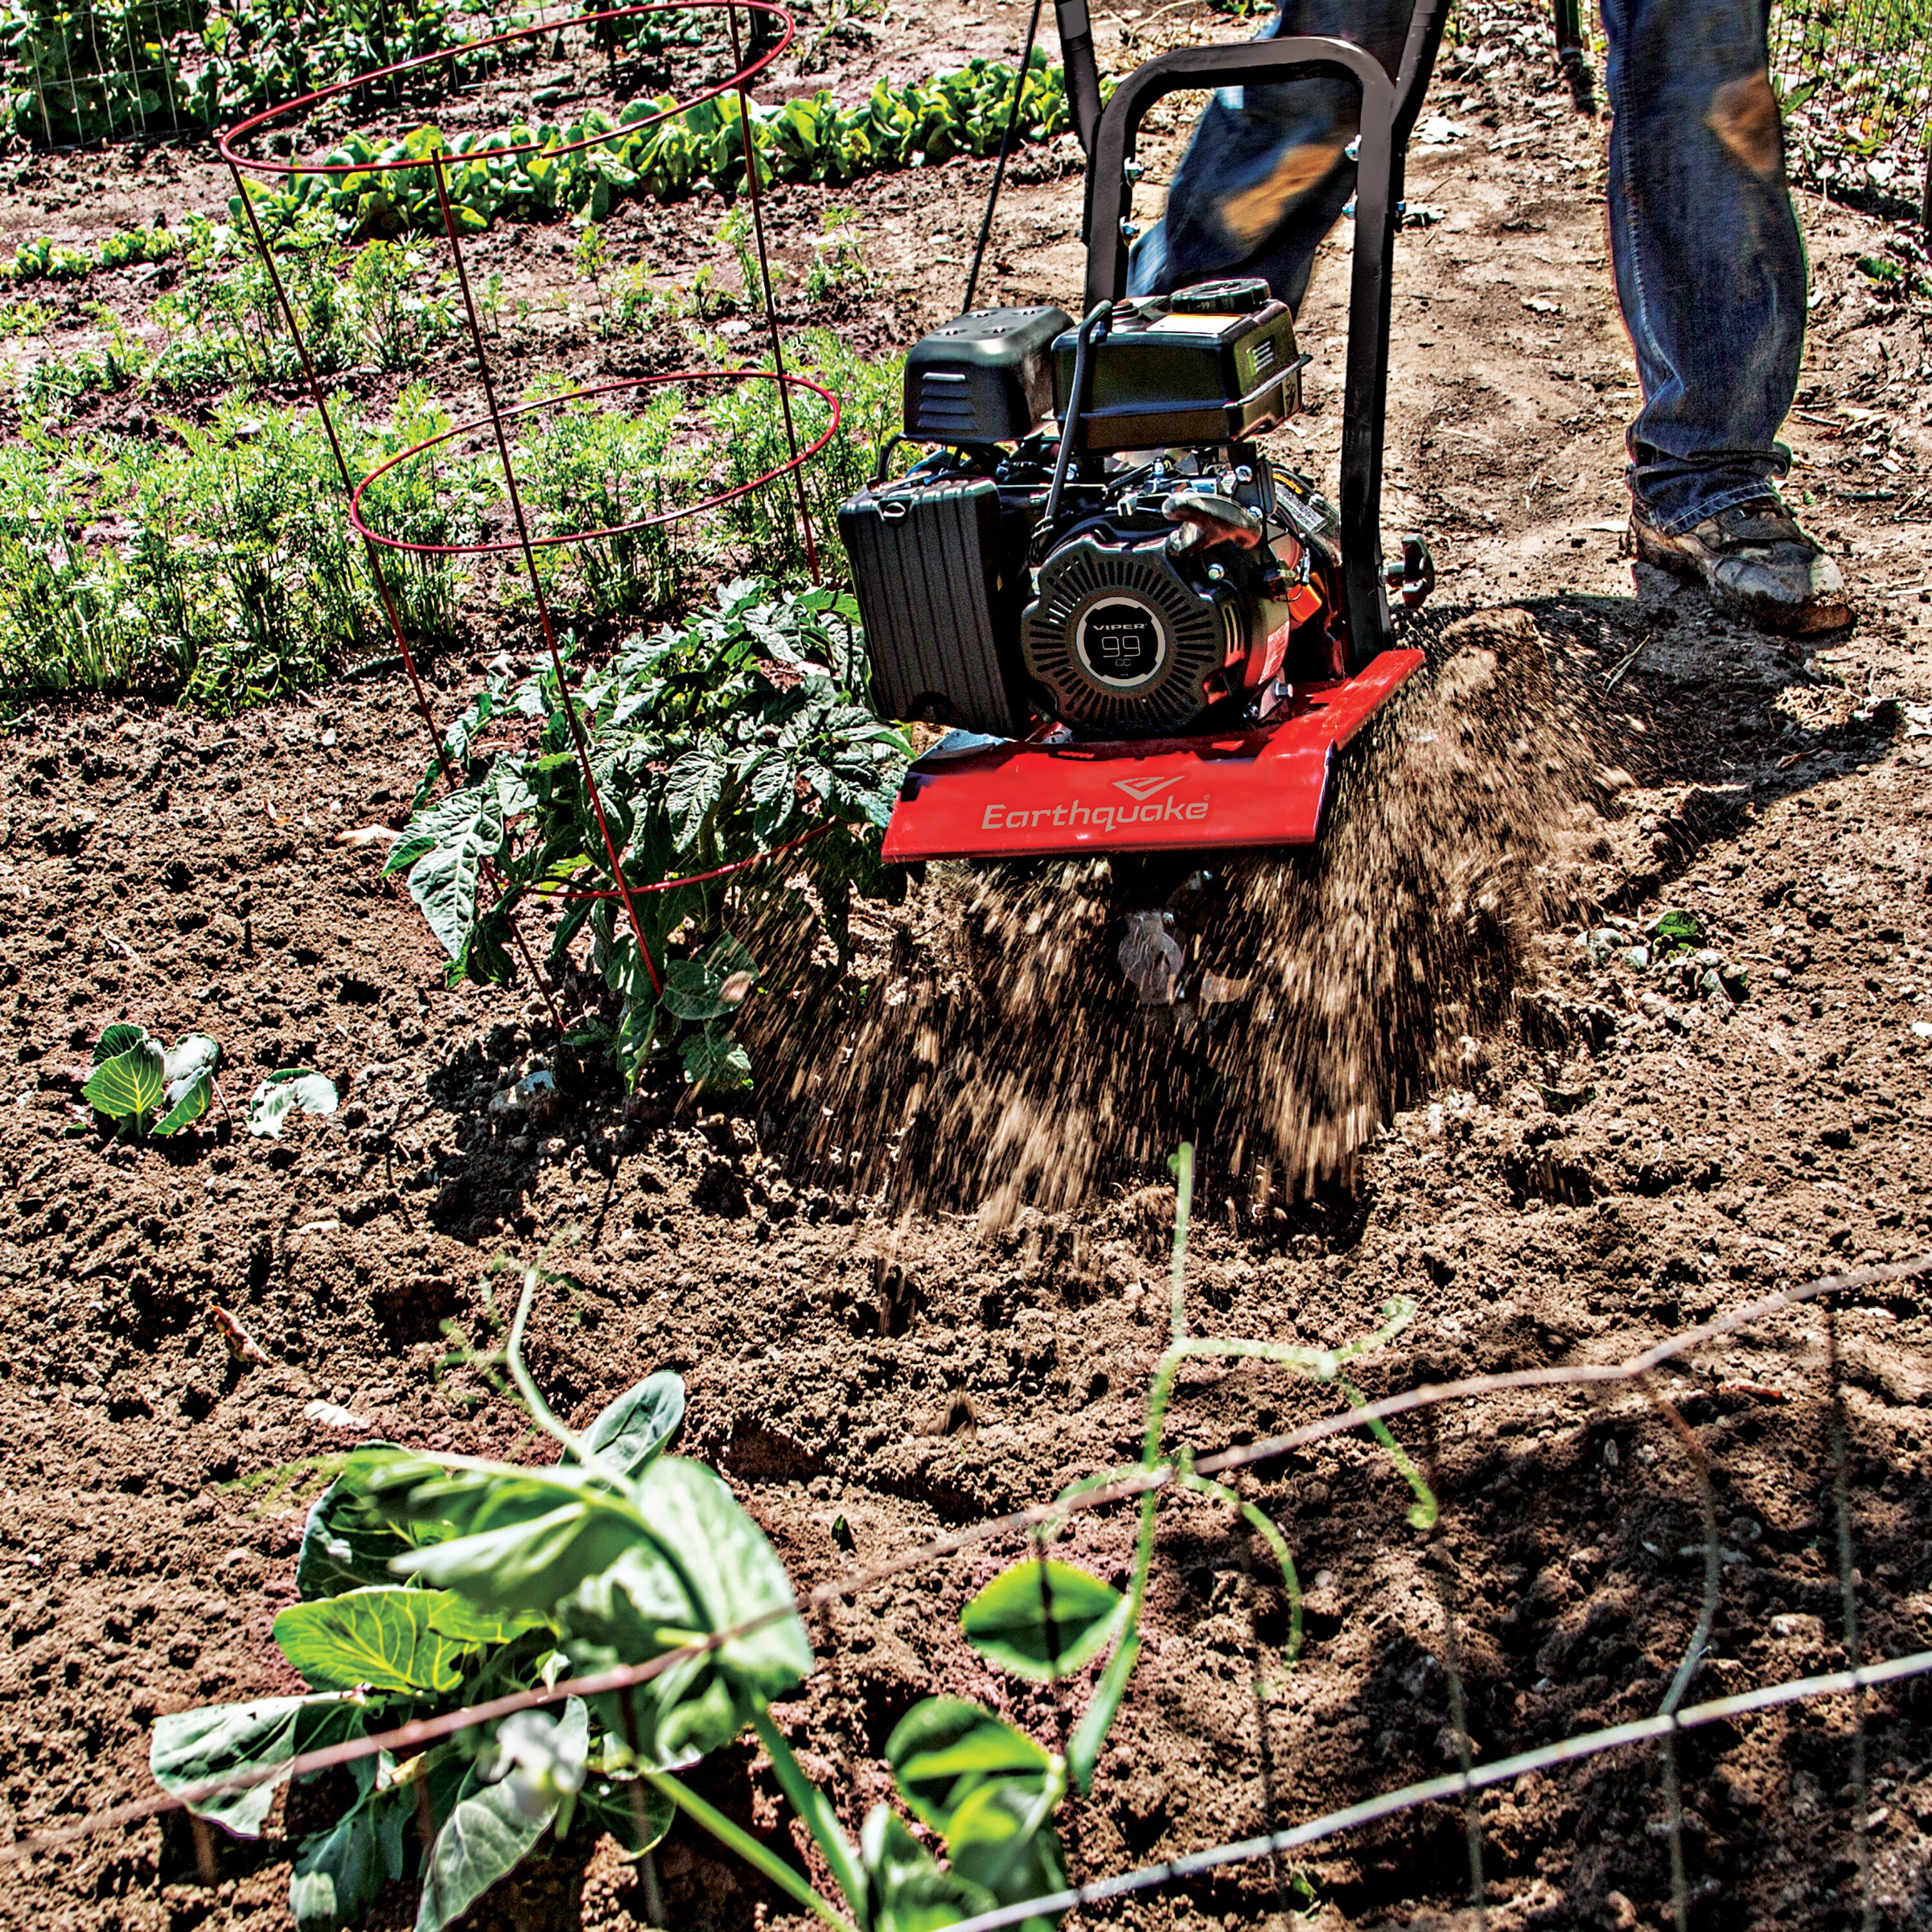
(285, 116)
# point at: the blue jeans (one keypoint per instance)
(1710, 267)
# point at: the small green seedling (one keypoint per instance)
(290, 1090)
(144, 1087)
(1675, 932)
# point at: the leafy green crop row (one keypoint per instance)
(219, 563)
(428, 1584)
(59, 262)
(811, 139)
(90, 72)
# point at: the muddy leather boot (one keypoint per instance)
(1755, 563)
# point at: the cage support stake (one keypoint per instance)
(1841, 1509)
(575, 723)
(771, 307)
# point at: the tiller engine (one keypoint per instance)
(1146, 634)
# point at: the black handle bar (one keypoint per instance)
(1388, 112)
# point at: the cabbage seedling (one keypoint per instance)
(146, 1087)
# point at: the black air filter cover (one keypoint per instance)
(986, 377)
(940, 576)
(1165, 380)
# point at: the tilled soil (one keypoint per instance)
(945, 1297)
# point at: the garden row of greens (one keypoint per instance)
(85, 70)
(648, 150)
(427, 1584)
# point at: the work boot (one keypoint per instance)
(1755, 563)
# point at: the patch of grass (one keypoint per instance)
(218, 565)
(765, 526)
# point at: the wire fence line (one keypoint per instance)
(1855, 79)
(1452, 1784)
(1663, 1729)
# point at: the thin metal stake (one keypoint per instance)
(438, 748)
(771, 307)
(571, 717)
(647, 1863)
(999, 165)
(1707, 1502)
(1841, 1508)
(1438, 1558)
(207, 1863)
(1270, 1804)
(315, 390)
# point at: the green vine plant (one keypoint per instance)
(430, 1583)
(1322, 1365)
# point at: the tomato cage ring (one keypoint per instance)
(565, 893)
(787, 381)
(304, 104)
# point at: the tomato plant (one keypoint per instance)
(737, 733)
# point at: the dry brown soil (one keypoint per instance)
(952, 1305)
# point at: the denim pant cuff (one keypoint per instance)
(1705, 502)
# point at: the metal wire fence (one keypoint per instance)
(79, 72)
(1855, 79)
(1859, 1685)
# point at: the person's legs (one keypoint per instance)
(1710, 267)
(1711, 274)
(1265, 176)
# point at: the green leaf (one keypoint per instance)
(695, 784)
(611, 1804)
(1677, 932)
(288, 1091)
(347, 1541)
(386, 1638)
(465, 829)
(526, 1538)
(635, 1427)
(732, 1569)
(455, 1616)
(191, 1746)
(1039, 1633)
(341, 1872)
(911, 1892)
(488, 1833)
(715, 1063)
(529, 1564)
(117, 1040)
(192, 1053)
(187, 1101)
(943, 1749)
(129, 1087)
(994, 1843)
(1083, 1749)
(691, 990)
